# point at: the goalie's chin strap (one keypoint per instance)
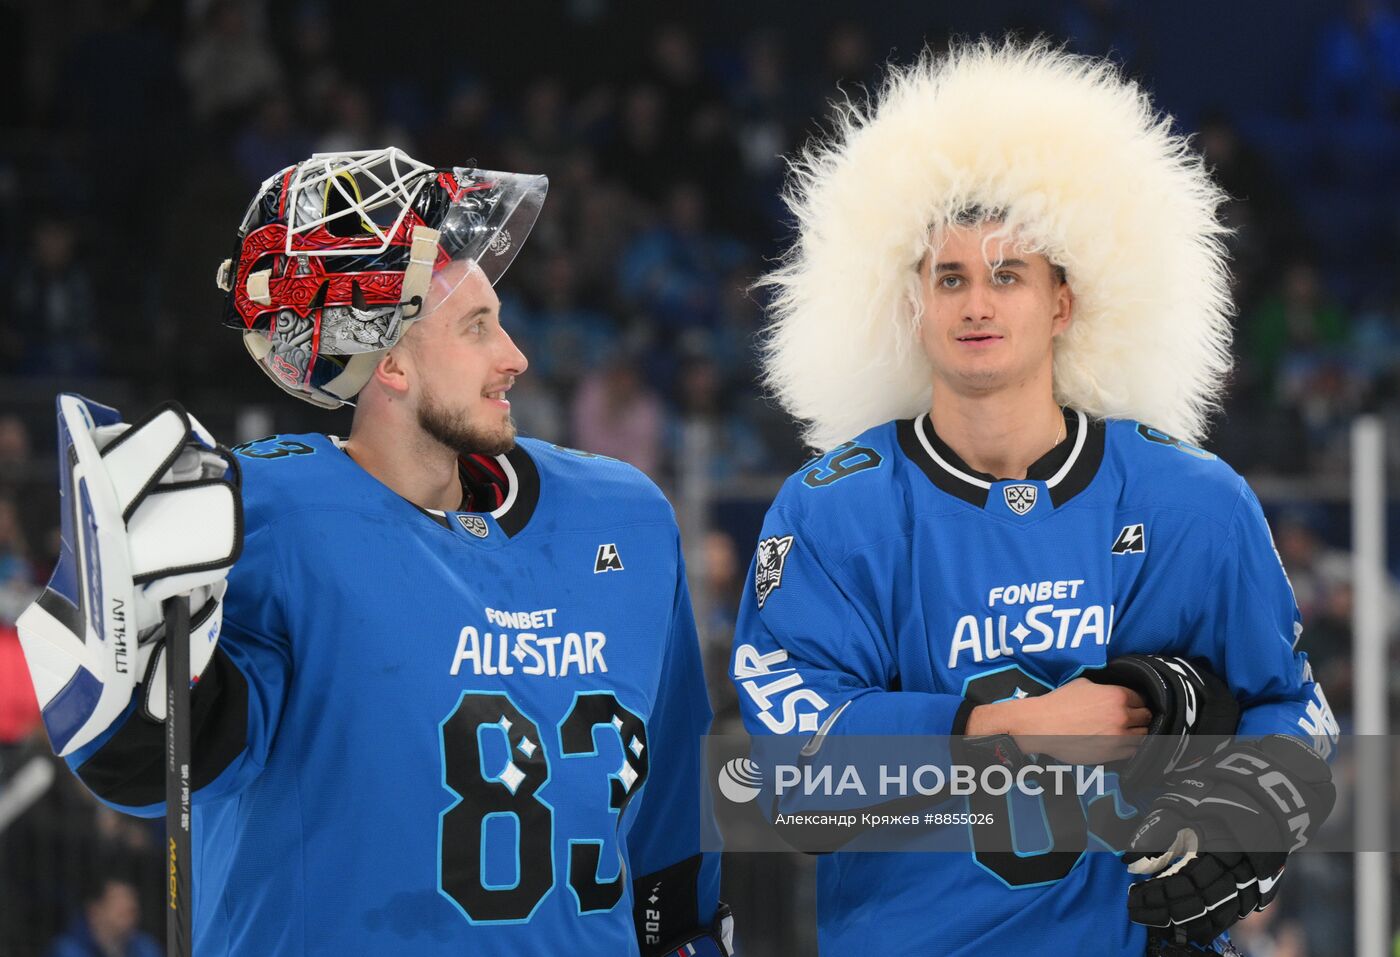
(422, 257)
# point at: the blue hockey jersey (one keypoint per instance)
(442, 733)
(893, 589)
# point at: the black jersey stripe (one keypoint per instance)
(1045, 468)
(947, 470)
(526, 492)
(130, 768)
(509, 488)
(667, 900)
(438, 517)
(907, 432)
(1085, 467)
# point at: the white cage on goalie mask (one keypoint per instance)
(396, 178)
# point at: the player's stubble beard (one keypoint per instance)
(455, 430)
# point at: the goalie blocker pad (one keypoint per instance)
(666, 915)
(130, 497)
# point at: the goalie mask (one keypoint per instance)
(335, 255)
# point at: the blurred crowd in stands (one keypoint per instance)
(136, 132)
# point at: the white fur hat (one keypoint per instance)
(1085, 172)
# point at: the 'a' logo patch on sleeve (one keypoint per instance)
(1131, 540)
(768, 567)
(607, 559)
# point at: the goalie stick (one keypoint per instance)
(152, 522)
(177, 777)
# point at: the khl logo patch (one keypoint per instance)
(1131, 539)
(1020, 498)
(768, 568)
(474, 524)
(608, 559)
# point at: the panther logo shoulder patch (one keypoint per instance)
(768, 566)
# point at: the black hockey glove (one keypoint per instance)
(1191, 708)
(1216, 842)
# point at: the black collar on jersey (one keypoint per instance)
(1066, 470)
(507, 486)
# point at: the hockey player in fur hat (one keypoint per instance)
(1003, 325)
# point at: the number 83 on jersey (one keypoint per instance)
(496, 761)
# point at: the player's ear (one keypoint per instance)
(394, 369)
(1064, 306)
